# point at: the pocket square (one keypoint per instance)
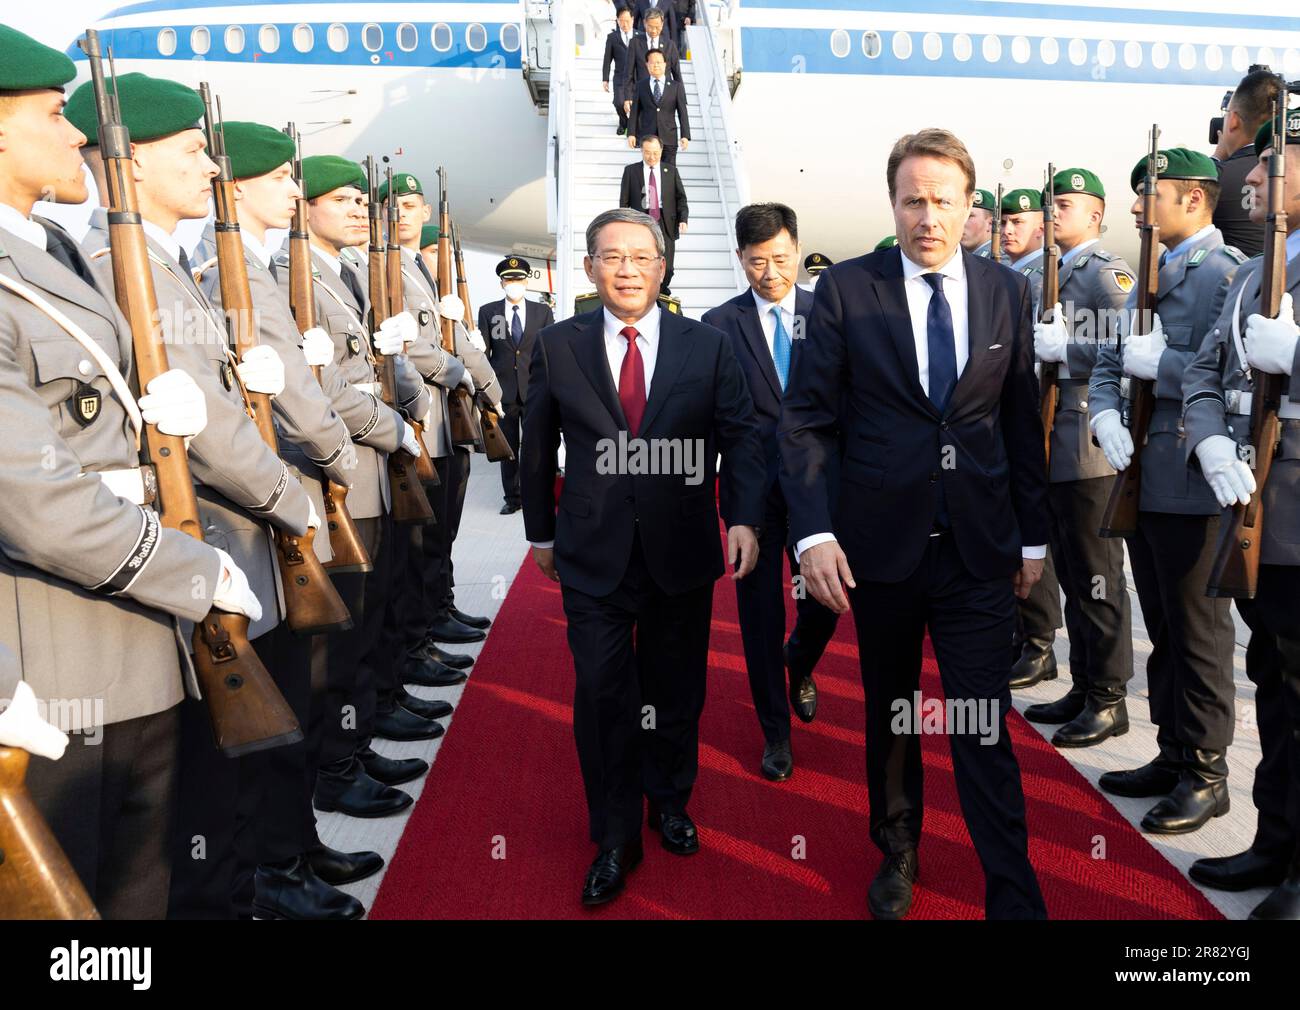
(994, 347)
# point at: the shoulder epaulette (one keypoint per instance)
(1102, 254)
(1237, 255)
(1197, 255)
(1082, 260)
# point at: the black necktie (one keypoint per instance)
(275, 274)
(658, 91)
(58, 245)
(354, 285)
(424, 272)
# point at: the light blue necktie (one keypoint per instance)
(780, 348)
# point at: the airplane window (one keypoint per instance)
(407, 37)
(304, 38)
(476, 37)
(268, 39)
(871, 45)
(1133, 54)
(840, 44)
(1049, 51)
(1078, 52)
(372, 37)
(442, 37)
(200, 41)
(336, 37)
(167, 42)
(1266, 57)
(1240, 59)
(1106, 53)
(1159, 56)
(1020, 49)
(932, 46)
(1213, 57)
(992, 48)
(961, 47)
(235, 39)
(1187, 56)
(902, 45)
(510, 37)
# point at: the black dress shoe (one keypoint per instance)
(778, 762)
(293, 891)
(1155, 778)
(456, 660)
(803, 692)
(1097, 722)
(1037, 663)
(356, 794)
(608, 873)
(1062, 710)
(425, 672)
(399, 724)
(508, 509)
(1201, 793)
(425, 708)
(449, 630)
(676, 831)
(1239, 872)
(337, 868)
(890, 893)
(1284, 902)
(391, 771)
(473, 620)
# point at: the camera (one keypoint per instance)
(1216, 124)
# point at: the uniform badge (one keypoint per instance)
(1293, 122)
(1162, 163)
(85, 404)
(1076, 181)
(354, 344)
(979, 198)
(410, 183)
(817, 257)
(425, 317)
(1024, 201)
(1196, 257)
(1123, 281)
(228, 376)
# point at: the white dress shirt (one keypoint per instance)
(335, 263)
(769, 325)
(167, 241)
(919, 293)
(259, 251)
(21, 225)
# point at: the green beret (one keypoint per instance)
(513, 268)
(323, 173)
(888, 242)
(815, 263)
(1264, 138)
(1176, 163)
(1077, 180)
(428, 235)
(984, 200)
(1021, 201)
(255, 149)
(404, 184)
(152, 108)
(27, 65)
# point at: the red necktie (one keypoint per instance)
(631, 381)
(654, 196)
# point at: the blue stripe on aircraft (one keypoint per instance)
(187, 5)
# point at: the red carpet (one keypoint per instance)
(501, 829)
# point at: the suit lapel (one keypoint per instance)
(589, 350)
(898, 320)
(979, 323)
(752, 327)
(45, 272)
(673, 351)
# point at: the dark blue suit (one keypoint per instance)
(854, 392)
(760, 597)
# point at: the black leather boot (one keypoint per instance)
(292, 890)
(1155, 778)
(1239, 872)
(1101, 719)
(1060, 711)
(1201, 793)
(1037, 663)
(1284, 902)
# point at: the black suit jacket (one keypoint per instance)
(616, 56)
(858, 371)
(697, 397)
(645, 118)
(667, 8)
(636, 56)
(673, 207)
(511, 363)
(738, 318)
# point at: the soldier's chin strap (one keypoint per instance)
(88, 344)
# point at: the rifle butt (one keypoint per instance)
(494, 439)
(410, 504)
(1120, 517)
(246, 709)
(36, 879)
(350, 554)
(1235, 572)
(464, 425)
(424, 464)
(312, 604)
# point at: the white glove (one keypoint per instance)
(1142, 351)
(451, 307)
(1229, 476)
(409, 442)
(261, 371)
(313, 520)
(233, 594)
(317, 347)
(22, 725)
(389, 338)
(406, 323)
(1051, 338)
(174, 402)
(476, 338)
(467, 381)
(1270, 343)
(1114, 439)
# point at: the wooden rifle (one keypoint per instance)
(1050, 380)
(995, 250)
(460, 408)
(494, 439)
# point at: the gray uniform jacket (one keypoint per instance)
(1216, 377)
(442, 371)
(1094, 286)
(241, 483)
(90, 584)
(1031, 267)
(1189, 300)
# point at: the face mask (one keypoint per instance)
(515, 290)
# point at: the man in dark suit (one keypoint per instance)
(763, 323)
(919, 363)
(617, 45)
(656, 189)
(657, 107)
(635, 544)
(653, 39)
(685, 10)
(510, 326)
(646, 10)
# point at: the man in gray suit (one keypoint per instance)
(91, 583)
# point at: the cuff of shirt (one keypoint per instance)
(812, 541)
(545, 545)
(1034, 553)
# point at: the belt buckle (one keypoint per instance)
(1232, 400)
(149, 483)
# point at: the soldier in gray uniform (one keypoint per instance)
(1190, 669)
(91, 583)
(1217, 393)
(1094, 284)
(977, 236)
